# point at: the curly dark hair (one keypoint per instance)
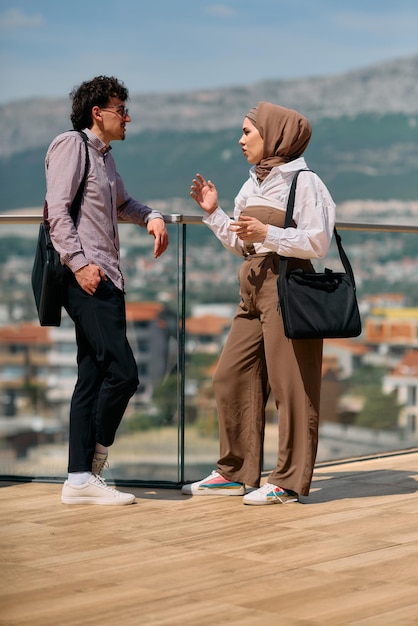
(95, 92)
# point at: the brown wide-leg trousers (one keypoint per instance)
(257, 357)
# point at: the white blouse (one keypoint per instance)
(314, 214)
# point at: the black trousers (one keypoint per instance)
(107, 371)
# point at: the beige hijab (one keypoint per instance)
(285, 132)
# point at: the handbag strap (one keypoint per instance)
(288, 222)
(76, 203)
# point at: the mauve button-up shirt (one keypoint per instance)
(105, 202)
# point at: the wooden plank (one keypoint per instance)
(346, 556)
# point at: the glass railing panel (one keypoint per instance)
(38, 366)
(369, 387)
(179, 310)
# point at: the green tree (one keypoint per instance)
(165, 399)
(380, 411)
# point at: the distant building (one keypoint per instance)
(403, 380)
(44, 359)
(331, 388)
(152, 332)
(348, 355)
(384, 300)
(206, 333)
(392, 326)
(24, 365)
(25, 420)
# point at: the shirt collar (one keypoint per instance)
(291, 166)
(97, 142)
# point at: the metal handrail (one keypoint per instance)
(179, 218)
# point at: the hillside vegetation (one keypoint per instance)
(364, 144)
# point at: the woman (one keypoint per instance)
(257, 357)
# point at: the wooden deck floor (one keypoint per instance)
(347, 555)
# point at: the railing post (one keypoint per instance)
(182, 351)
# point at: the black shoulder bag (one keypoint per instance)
(317, 305)
(48, 274)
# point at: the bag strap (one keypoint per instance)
(288, 222)
(291, 199)
(76, 203)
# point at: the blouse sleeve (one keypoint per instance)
(219, 223)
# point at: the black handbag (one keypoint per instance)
(48, 274)
(317, 305)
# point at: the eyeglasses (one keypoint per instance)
(120, 110)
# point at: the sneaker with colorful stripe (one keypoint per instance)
(270, 494)
(214, 485)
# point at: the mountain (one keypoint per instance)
(364, 144)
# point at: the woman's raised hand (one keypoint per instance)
(204, 193)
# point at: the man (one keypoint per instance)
(94, 298)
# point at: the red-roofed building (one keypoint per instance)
(24, 363)
(392, 327)
(143, 311)
(45, 358)
(384, 300)
(152, 332)
(206, 333)
(348, 353)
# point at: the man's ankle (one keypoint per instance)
(79, 478)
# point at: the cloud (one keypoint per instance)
(16, 19)
(395, 24)
(220, 10)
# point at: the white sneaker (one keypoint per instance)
(214, 485)
(270, 494)
(95, 491)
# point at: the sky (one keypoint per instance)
(47, 47)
